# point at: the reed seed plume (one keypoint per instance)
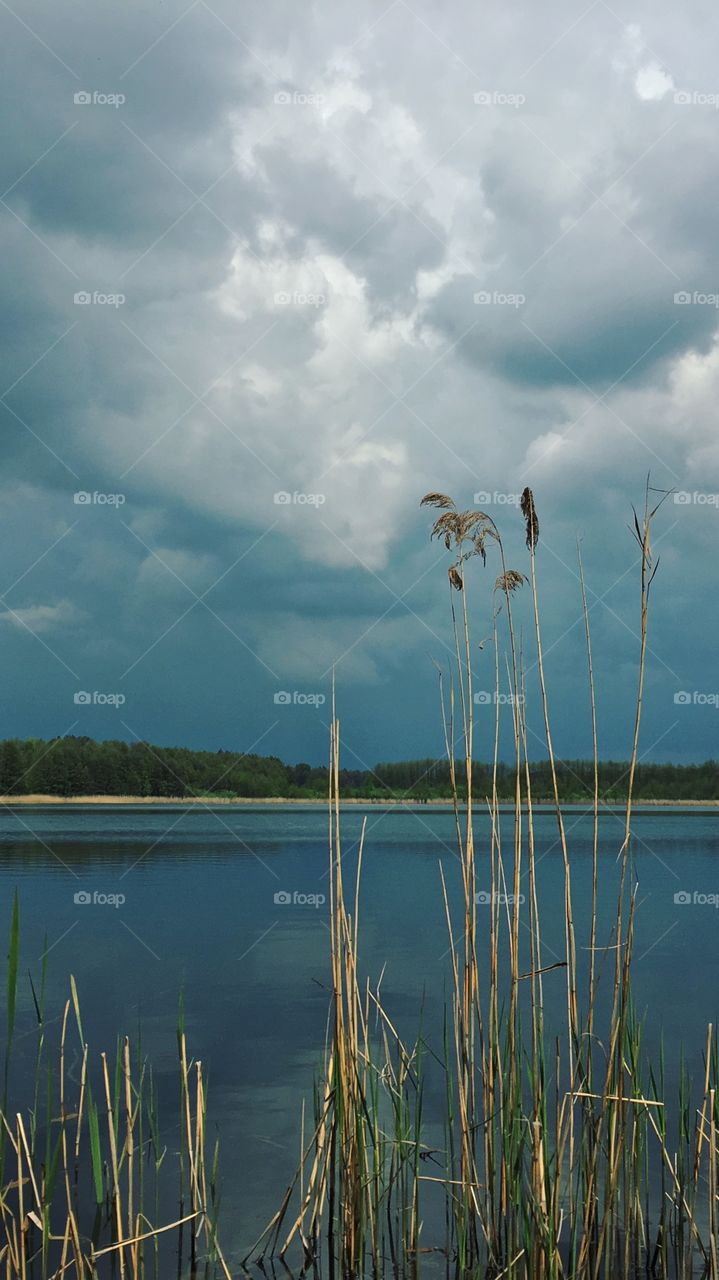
(530, 517)
(465, 532)
(510, 581)
(440, 500)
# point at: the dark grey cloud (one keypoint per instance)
(298, 316)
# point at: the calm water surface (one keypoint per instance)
(205, 910)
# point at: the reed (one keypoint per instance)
(356, 1186)
(562, 1155)
(80, 1186)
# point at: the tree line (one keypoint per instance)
(76, 766)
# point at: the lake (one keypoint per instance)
(230, 905)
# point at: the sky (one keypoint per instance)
(271, 273)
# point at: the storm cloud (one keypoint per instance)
(271, 273)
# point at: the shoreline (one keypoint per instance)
(211, 801)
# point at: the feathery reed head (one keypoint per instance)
(437, 500)
(510, 581)
(466, 532)
(530, 518)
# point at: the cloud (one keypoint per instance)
(653, 83)
(652, 80)
(43, 618)
(299, 220)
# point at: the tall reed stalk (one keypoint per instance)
(357, 1180)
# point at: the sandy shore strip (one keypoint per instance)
(188, 801)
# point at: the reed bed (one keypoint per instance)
(83, 1173)
(562, 1157)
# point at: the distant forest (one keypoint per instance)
(80, 766)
